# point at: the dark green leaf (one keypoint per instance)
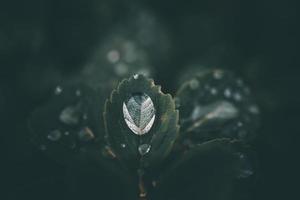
(148, 148)
(68, 121)
(208, 171)
(214, 103)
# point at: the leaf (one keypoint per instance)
(96, 175)
(208, 171)
(69, 120)
(136, 141)
(215, 103)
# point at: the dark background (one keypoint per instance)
(257, 39)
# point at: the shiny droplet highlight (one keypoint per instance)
(139, 113)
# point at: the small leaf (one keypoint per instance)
(141, 122)
(214, 103)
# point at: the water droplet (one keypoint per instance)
(239, 124)
(123, 145)
(54, 135)
(67, 133)
(223, 110)
(121, 69)
(113, 56)
(139, 113)
(58, 90)
(154, 183)
(240, 82)
(194, 84)
(197, 113)
(237, 97)
(136, 76)
(227, 93)
(144, 149)
(78, 93)
(145, 71)
(86, 134)
(254, 109)
(213, 91)
(218, 74)
(69, 115)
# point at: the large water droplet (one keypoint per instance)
(144, 149)
(223, 110)
(139, 113)
(136, 76)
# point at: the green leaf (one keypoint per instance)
(140, 149)
(68, 121)
(215, 103)
(97, 175)
(207, 171)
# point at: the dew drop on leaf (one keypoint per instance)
(227, 93)
(139, 113)
(58, 90)
(144, 149)
(135, 76)
(123, 145)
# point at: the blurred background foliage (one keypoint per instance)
(43, 42)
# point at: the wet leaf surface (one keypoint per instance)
(215, 103)
(130, 147)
